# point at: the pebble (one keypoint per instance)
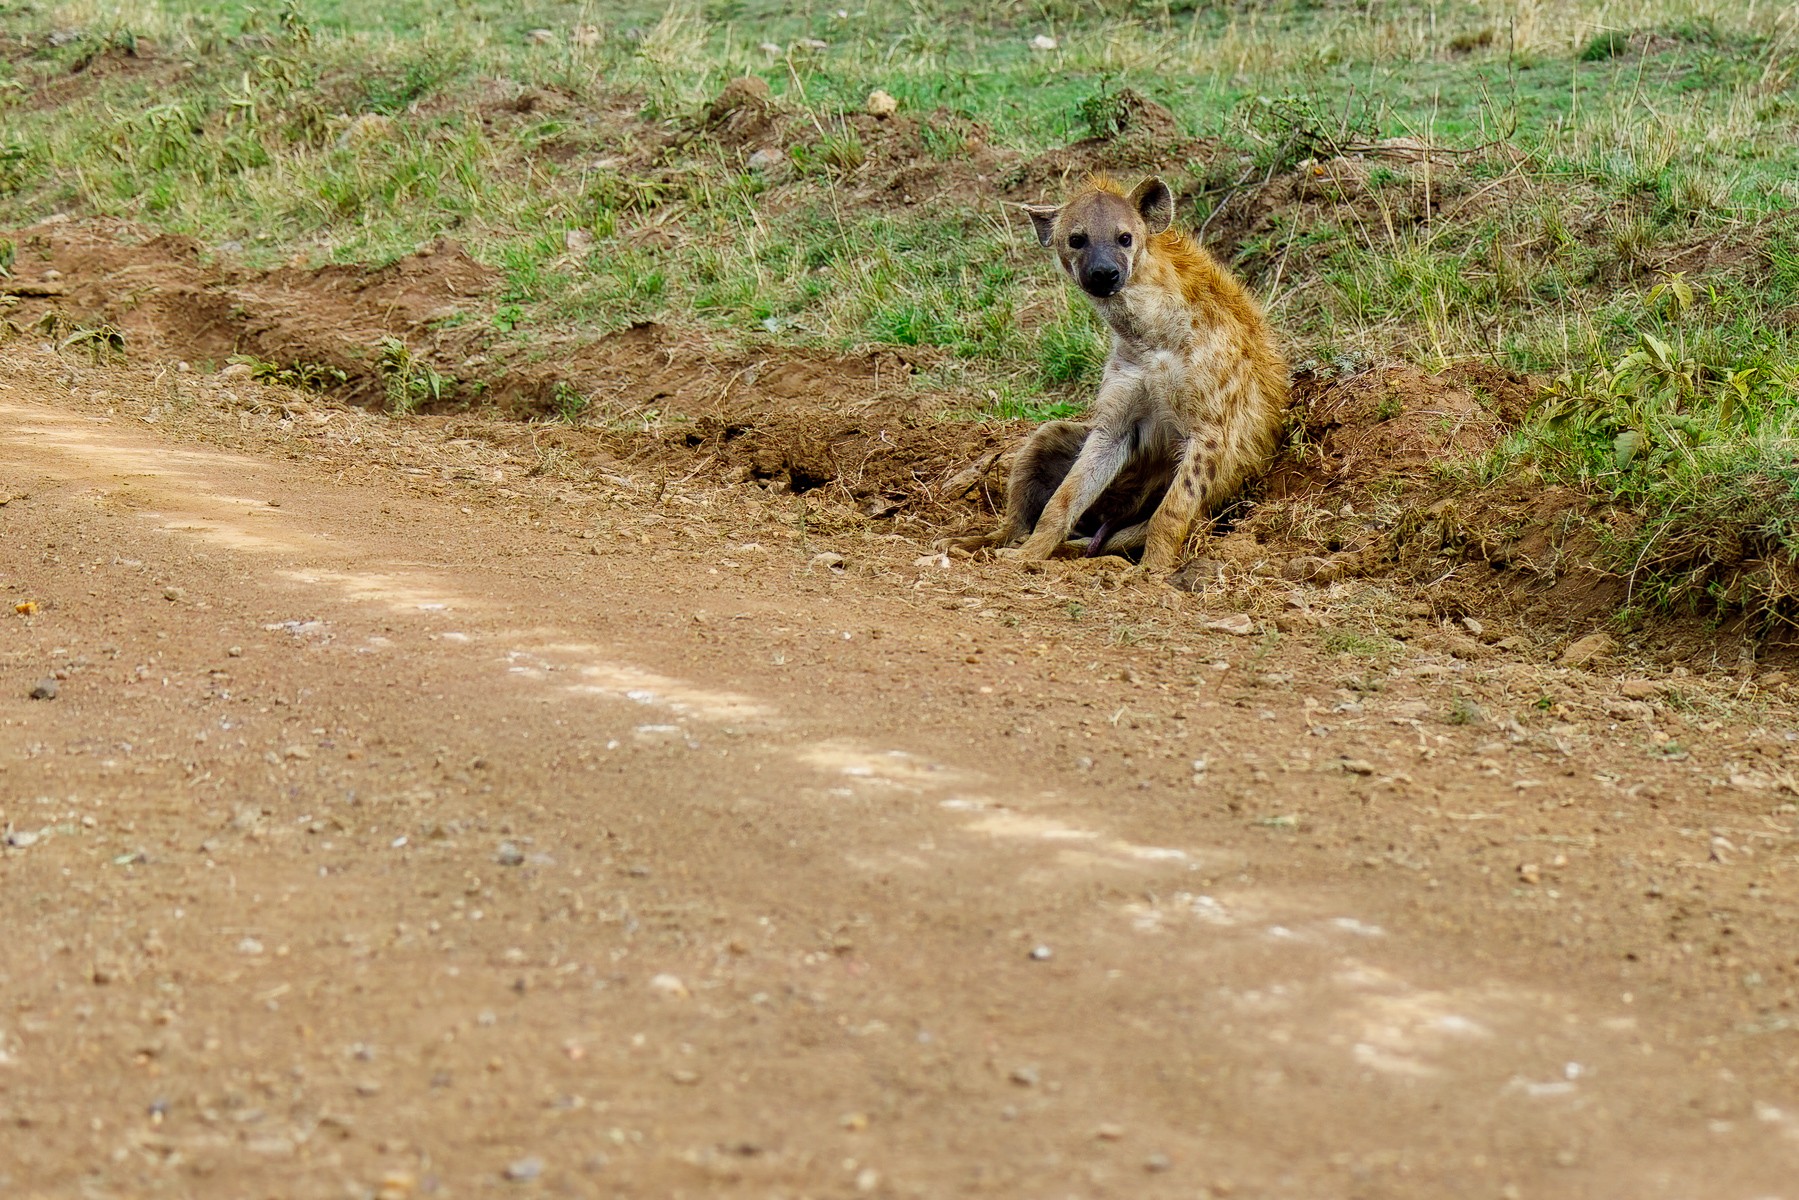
(1305, 567)
(174, 595)
(685, 1077)
(1237, 624)
(1529, 872)
(1027, 1075)
(828, 559)
(881, 104)
(1358, 766)
(249, 946)
(19, 839)
(771, 49)
(541, 37)
(1155, 1164)
(1639, 689)
(524, 1170)
(867, 1179)
(1109, 1132)
(668, 985)
(46, 689)
(1043, 42)
(509, 855)
(765, 159)
(396, 1185)
(1585, 650)
(1042, 953)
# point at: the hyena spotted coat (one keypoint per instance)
(1191, 398)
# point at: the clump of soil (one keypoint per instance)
(1140, 137)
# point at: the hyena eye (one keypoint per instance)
(1124, 239)
(1077, 241)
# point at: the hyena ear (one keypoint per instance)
(1154, 203)
(1043, 220)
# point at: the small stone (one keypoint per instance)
(19, 839)
(235, 652)
(1042, 953)
(812, 44)
(509, 855)
(855, 1122)
(1639, 689)
(396, 1185)
(1027, 1075)
(524, 1170)
(1305, 567)
(684, 1077)
(765, 160)
(1473, 626)
(541, 37)
(1155, 1164)
(249, 946)
(236, 371)
(1237, 625)
(26, 608)
(1043, 42)
(46, 689)
(1587, 649)
(174, 595)
(867, 1179)
(771, 49)
(669, 985)
(1109, 1132)
(881, 104)
(1358, 766)
(1529, 872)
(827, 559)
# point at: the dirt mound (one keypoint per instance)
(1137, 137)
(167, 298)
(847, 427)
(1393, 422)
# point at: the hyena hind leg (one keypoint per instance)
(1039, 469)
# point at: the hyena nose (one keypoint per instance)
(1102, 281)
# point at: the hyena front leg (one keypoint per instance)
(1197, 486)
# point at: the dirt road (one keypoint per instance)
(402, 830)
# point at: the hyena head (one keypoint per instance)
(1101, 234)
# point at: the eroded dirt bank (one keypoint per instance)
(413, 814)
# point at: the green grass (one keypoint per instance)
(1595, 148)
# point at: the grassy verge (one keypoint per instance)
(1597, 193)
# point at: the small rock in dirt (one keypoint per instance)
(855, 1122)
(1473, 626)
(1109, 1132)
(396, 1185)
(1027, 1075)
(1305, 567)
(18, 839)
(45, 689)
(1155, 1164)
(764, 160)
(827, 559)
(249, 946)
(235, 652)
(1639, 689)
(1237, 624)
(684, 1077)
(236, 371)
(669, 985)
(1358, 766)
(1197, 576)
(1587, 649)
(867, 1179)
(509, 855)
(1529, 872)
(771, 49)
(1043, 42)
(1042, 953)
(1630, 710)
(881, 104)
(524, 1170)
(174, 595)
(940, 561)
